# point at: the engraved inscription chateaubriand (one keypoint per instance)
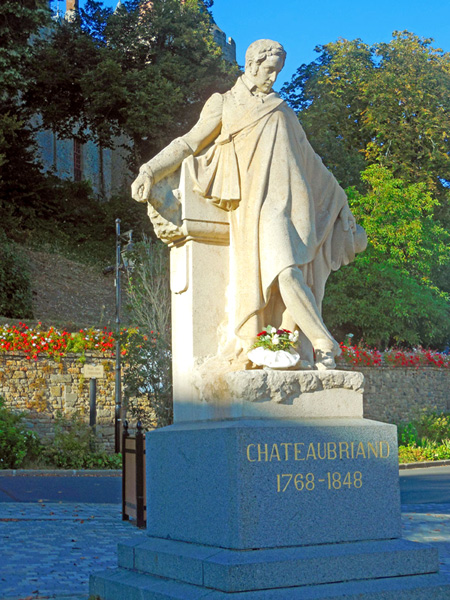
(303, 451)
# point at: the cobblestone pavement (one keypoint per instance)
(429, 523)
(49, 550)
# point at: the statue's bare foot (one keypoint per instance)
(325, 359)
(326, 356)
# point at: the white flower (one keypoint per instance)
(275, 339)
(270, 329)
(293, 337)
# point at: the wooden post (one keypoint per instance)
(125, 517)
(140, 475)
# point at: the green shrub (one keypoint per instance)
(75, 447)
(147, 380)
(15, 286)
(433, 451)
(17, 443)
(407, 434)
(434, 427)
(74, 222)
(430, 427)
(148, 370)
(425, 438)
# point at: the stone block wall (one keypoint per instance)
(43, 387)
(393, 395)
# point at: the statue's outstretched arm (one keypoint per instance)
(170, 158)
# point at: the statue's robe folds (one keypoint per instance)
(249, 155)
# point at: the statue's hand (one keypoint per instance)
(227, 205)
(140, 189)
(348, 220)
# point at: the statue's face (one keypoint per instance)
(265, 74)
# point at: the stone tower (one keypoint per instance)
(72, 7)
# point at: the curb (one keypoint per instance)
(118, 472)
(61, 473)
(424, 464)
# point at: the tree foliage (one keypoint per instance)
(380, 116)
(19, 21)
(393, 297)
(385, 306)
(15, 285)
(386, 103)
(143, 70)
(399, 221)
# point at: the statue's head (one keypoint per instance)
(264, 59)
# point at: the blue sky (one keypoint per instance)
(301, 25)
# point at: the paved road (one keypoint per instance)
(418, 486)
(103, 490)
(425, 486)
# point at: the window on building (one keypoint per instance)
(77, 160)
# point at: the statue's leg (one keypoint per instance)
(303, 346)
(301, 304)
(249, 331)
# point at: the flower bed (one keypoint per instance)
(417, 357)
(54, 344)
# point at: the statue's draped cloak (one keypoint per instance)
(284, 204)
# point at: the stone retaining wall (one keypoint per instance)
(43, 387)
(400, 394)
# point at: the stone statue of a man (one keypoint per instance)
(290, 220)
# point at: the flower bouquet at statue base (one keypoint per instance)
(274, 349)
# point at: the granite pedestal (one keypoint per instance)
(273, 509)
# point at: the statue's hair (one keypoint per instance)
(258, 51)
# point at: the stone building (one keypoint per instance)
(104, 168)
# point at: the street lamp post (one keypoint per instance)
(121, 265)
(118, 386)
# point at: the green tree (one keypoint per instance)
(384, 306)
(393, 297)
(386, 107)
(143, 70)
(328, 95)
(19, 20)
(386, 103)
(399, 221)
(408, 110)
(19, 175)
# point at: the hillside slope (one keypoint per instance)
(70, 294)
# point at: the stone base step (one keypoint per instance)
(241, 571)
(121, 584)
